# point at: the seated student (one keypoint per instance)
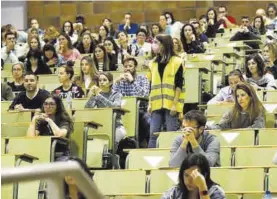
(255, 73)
(102, 95)
(195, 181)
(225, 94)
(140, 47)
(275, 158)
(52, 121)
(175, 26)
(101, 59)
(102, 34)
(65, 74)
(128, 26)
(112, 51)
(32, 98)
(69, 30)
(178, 48)
(190, 41)
(214, 25)
(88, 74)
(270, 58)
(35, 64)
(10, 52)
(86, 45)
(50, 56)
(18, 71)
(66, 49)
(195, 140)
(246, 32)
(258, 24)
(228, 21)
(70, 186)
(6, 92)
(248, 111)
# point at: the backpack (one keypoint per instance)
(125, 143)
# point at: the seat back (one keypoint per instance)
(271, 96)
(236, 137)
(166, 139)
(268, 136)
(254, 156)
(16, 117)
(148, 158)
(238, 179)
(272, 175)
(120, 181)
(5, 106)
(36, 146)
(14, 130)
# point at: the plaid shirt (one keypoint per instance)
(140, 87)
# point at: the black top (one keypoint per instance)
(16, 88)
(81, 48)
(113, 61)
(76, 91)
(178, 76)
(41, 70)
(27, 103)
(273, 69)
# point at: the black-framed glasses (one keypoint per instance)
(50, 104)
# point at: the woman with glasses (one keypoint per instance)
(66, 49)
(52, 121)
(102, 95)
(18, 71)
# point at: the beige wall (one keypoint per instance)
(56, 12)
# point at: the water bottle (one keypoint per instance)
(69, 100)
(267, 195)
(133, 50)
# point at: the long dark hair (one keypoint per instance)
(260, 64)
(262, 28)
(171, 15)
(61, 114)
(49, 47)
(167, 44)
(271, 5)
(71, 26)
(37, 54)
(215, 15)
(69, 42)
(199, 160)
(115, 46)
(85, 169)
(183, 37)
(106, 61)
(107, 33)
(255, 107)
(80, 45)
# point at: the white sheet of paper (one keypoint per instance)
(230, 137)
(173, 175)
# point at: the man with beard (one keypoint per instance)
(195, 140)
(131, 84)
(32, 98)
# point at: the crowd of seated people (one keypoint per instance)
(166, 45)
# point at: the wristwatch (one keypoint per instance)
(204, 193)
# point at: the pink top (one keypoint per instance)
(72, 56)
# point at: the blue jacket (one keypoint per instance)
(132, 30)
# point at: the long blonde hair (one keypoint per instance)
(93, 72)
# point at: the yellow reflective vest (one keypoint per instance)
(163, 92)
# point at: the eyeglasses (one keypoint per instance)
(10, 38)
(50, 104)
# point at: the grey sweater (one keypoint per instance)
(106, 100)
(215, 192)
(208, 146)
(244, 121)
